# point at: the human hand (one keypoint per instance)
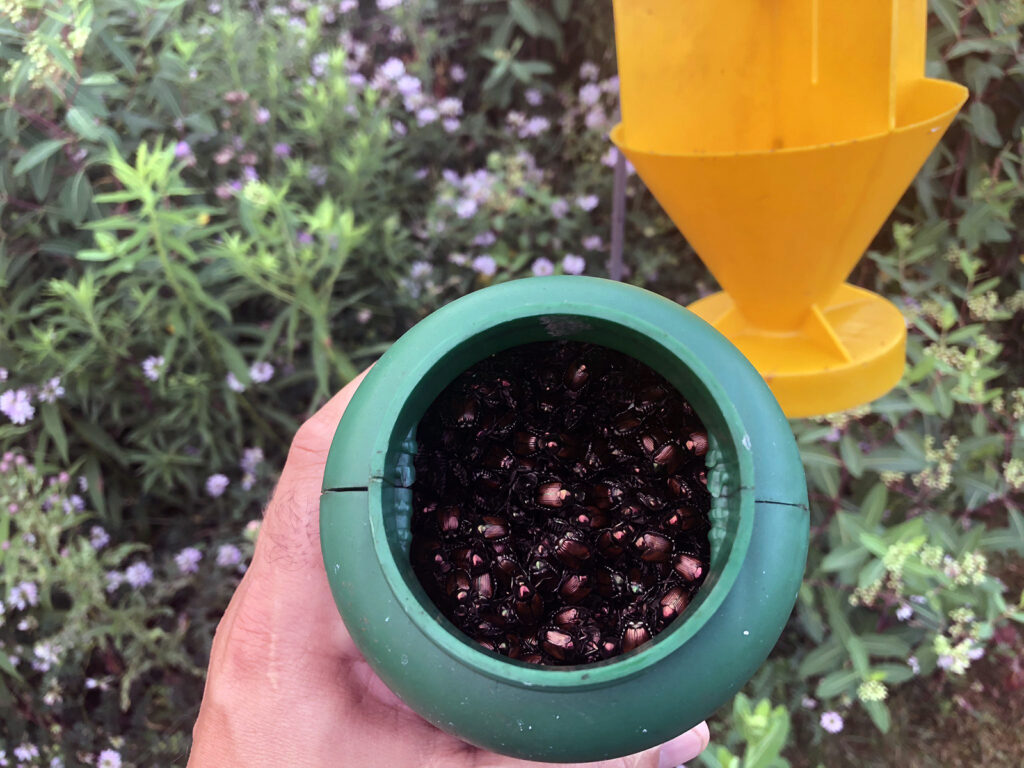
(288, 688)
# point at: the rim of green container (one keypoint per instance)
(414, 368)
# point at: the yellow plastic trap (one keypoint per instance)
(778, 135)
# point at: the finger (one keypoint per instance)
(290, 535)
(684, 747)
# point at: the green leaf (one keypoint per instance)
(82, 124)
(562, 9)
(885, 645)
(983, 121)
(836, 683)
(96, 437)
(821, 659)
(54, 426)
(525, 17)
(38, 154)
(233, 359)
(879, 714)
(94, 478)
(845, 556)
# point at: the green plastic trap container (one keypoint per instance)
(590, 712)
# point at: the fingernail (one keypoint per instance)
(684, 747)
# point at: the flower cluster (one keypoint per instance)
(939, 472)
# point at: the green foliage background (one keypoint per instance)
(311, 216)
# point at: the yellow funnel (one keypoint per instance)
(778, 135)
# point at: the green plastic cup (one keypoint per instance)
(759, 531)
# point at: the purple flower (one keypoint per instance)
(23, 595)
(535, 126)
(261, 372)
(466, 208)
(152, 367)
(559, 208)
(250, 173)
(281, 149)
(26, 752)
(304, 238)
(450, 106)
(16, 405)
(318, 175)
(347, 6)
(426, 116)
(215, 484)
(3, 374)
(262, 116)
(228, 554)
(451, 124)
(485, 239)
(484, 265)
(251, 458)
(98, 537)
(114, 580)
(590, 94)
(542, 267)
(108, 758)
(587, 202)
(387, 5)
(596, 119)
(573, 264)
(593, 243)
(458, 73)
(831, 721)
(188, 560)
(589, 70)
(182, 149)
(533, 97)
(914, 665)
(392, 69)
(138, 575)
(234, 384)
(51, 390)
(409, 85)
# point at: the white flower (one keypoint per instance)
(831, 722)
(215, 484)
(51, 390)
(451, 124)
(345, 6)
(261, 372)
(458, 73)
(808, 703)
(17, 406)
(914, 665)
(904, 612)
(234, 384)
(3, 374)
(108, 758)
(450, 106)
(573, 264)
(152, 367)
(387, 5)
(587, 202)
(26, 752)
(589, 70)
